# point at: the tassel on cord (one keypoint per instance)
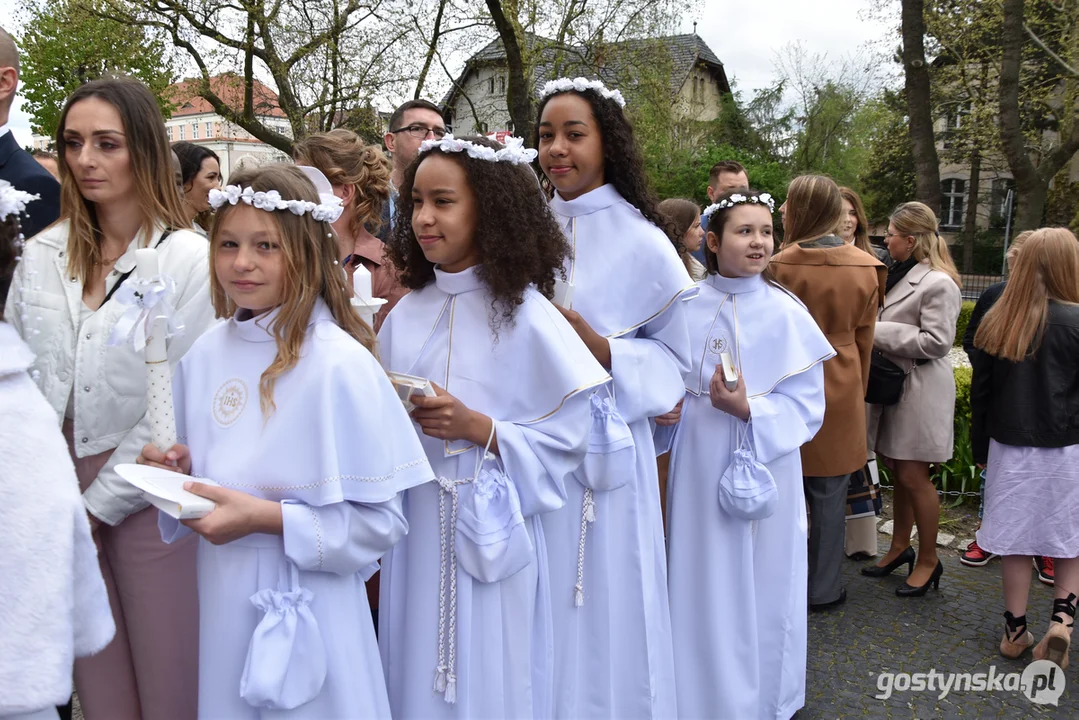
(451, 688)
(440, 679)
(588, 515)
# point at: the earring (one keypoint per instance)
(336, 263)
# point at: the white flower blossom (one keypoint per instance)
(514, 151)
(12, 201)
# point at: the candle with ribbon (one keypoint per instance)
(146, 324)
(362, 295)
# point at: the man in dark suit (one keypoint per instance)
(17, 166)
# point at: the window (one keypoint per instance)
(999, 207)
(169, 131)
(194, 131)
(183, 126)
(209, 129)
(483, 126)
(502, 84)
(953, 196)
(491, 85)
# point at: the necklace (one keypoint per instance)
(106, 262)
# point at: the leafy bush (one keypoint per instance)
(961, 324)
(960, 473)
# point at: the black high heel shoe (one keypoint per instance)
(905, 558)
(907, 590)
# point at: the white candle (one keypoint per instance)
(158, 375)
(361, 283)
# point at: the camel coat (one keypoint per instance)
(918, 323)
(842, 287)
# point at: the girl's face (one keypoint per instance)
(693, 237)
(570, 146)
(198, 190)
(746, 246)
(849, 223)
(96, 152)
(444, 214)
(248, 259)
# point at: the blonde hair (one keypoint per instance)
(861, 231)
(918, 221)
(345, 159)
(151, 166)
(1016, 243)
(1047, 269)
(814, 209)
(309, 250)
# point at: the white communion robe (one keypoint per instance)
(336, 452)
(738, 587)
(479, 621)
(613, 652)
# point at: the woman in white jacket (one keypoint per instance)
(53, 604)
(117, 195)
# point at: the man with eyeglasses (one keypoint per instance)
(411, 124)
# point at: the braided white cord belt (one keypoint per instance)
(588, 515)
(445, 672)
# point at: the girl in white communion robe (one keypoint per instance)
(736, 514)
(53, 605)
(286, 407)
(465, 608)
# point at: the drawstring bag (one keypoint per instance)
(492, 541)
(612, 455)
(286, 660)
(747, 489)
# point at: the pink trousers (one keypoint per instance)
(150, 669)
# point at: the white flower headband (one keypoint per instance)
(326, 211)
(12, 201)
(580, 85)
(740, 199)
(514, 151)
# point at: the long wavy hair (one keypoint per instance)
(151, 166)
(814, 209)
(309, 249)
(519, 240)
(623, 166)
(1046, 269)
(917, 220)
(861, 231)
(345, 159)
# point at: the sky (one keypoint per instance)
(744, 35)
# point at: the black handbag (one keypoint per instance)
(885, 380)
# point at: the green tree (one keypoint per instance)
(64, 45)
(888, 178)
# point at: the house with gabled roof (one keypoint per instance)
(476, 101)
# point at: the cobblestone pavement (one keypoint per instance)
(957, 629)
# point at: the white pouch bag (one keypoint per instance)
(612, 454)
(747, 489)
(286, 660)
(491, 542)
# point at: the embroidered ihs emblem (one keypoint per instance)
(717, 345)
(229, 402)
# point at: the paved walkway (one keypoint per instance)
(957, 629)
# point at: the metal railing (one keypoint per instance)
(974, 285)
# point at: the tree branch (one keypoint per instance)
(1038, 41)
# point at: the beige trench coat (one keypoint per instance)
(917, 322)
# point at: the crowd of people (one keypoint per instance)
(644, 434)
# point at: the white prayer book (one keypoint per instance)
(563, 294)
(409, 385)
(730, 377)
(164, 490)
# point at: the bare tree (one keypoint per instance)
(1032, 178)
(323, 56)
(919, 104)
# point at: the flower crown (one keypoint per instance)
(580, 85)
(514, 151)
(13, 201)
(326, 211)
(740, 199)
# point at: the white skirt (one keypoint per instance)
(1031, 501)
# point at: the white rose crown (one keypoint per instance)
(514, 151)
(742, 199)
(581, 84)
(329, 210)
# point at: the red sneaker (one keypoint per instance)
(975, 556)
(1044, 566)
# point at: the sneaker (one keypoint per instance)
(1044, 565)
(975, 556)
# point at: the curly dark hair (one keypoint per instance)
(519, 240)
(623, 166)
